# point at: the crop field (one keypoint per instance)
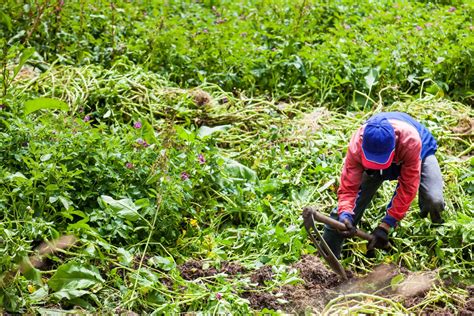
(156, 156)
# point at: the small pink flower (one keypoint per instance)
(347, 26)
(129, 165)
(142, 142)
(452, 9)
(137, 125)
(398, 17)
(184, 176)
(201, 159)
(218, 295)
(87, 118)
(419, 28)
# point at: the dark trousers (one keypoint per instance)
(430, 196)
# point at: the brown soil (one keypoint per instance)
(320, 285)
(468, 308)
(194, 269)
(261, 275)
(309, 296)
(261, 300)
(232, 268)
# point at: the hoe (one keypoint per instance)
(310, 215)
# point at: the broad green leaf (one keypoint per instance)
(125, 208)
(164, 263)
(65, 202)
(125, 257)
(45, 157)
(75, 276)
(25, 55)
(238, 170)
(70, 294)
(44, 103)
(39, 295)
(371, 78)
(148, 133)
(29, 271)
(205, 131)
(58, 312)
(184, 134)
(17, 176)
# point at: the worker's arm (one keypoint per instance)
(351, 177)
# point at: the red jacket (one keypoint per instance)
(408, 148)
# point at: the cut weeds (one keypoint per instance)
(321, 291)
(149, 176)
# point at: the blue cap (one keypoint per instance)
(378, 144)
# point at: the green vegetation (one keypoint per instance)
(156, 133)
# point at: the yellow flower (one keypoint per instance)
(31, 288)
(193, 222)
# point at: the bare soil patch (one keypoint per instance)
(320, 285)
(194, 269)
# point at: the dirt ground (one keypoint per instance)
(320, 285)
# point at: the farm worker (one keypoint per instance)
(389, 146)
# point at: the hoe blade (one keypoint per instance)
(321, 244)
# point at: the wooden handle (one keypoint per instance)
(338, 225)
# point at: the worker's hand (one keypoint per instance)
(347, 219)
(380, 239)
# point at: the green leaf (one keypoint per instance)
(205, 131)
(18, 177)
(238, 170)
(184, 134)
(125, 257)
(125, 208)
(39, 295)
(75, 276)
(396, 280)
(148, 133)
(25, 55)
(30, 272)
(44, 103)
(70, 294)
(45, 157)
(164, 263)
(65, 202)
(5, 20)
(371, 78)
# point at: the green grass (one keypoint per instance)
(334, 53)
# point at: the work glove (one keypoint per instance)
(347, 219)
(379, 240)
